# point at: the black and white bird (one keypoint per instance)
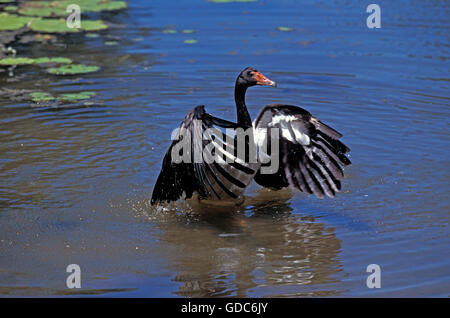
(311, 157)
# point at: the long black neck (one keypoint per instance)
(243, 117)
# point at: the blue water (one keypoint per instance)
(76, 180)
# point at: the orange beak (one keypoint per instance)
(262, 80)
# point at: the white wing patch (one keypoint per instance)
(259, 135)
(291, 129)
(299, 136)
(282, 118)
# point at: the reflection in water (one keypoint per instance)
(225, 252)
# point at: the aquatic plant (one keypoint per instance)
(42, 97)
(55, 60)
(92, 35)
(284, 29)
(73, 69)
(46, 20)
(190, 41)
(39, 97)
(9, 22)
(12, 21)
(58, 8)
(60, 25)
(76, 96)
(9, 61)
(11, 8)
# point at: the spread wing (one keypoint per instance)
(311, 158)
(193, 170)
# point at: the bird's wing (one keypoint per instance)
(311, 158)
(197, 145)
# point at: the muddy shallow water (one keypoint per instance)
(76, 180)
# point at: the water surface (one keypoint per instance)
(76, 180)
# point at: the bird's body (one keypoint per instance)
(285, 146)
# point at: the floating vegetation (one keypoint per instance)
(11, 8)
(39, 97)
(55, 60)
(12, 21)
(190, 41)
(73, 69)
(92, 35)
(169, 31)
(43, 97)
(58, 8)
(44, 21)
(188, 31)
(284, 29)
(9, 61)
(71, 97)
(60, 25)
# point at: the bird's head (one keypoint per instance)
(251, 76)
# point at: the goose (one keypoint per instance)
(309, 155)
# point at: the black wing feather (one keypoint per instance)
(178, 178)
(311, 156)
(210, 180)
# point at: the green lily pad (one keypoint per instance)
(73, 69)
(56, 60)
(285, 29)
(92, 35)
(58, 8)
(102, 5)
(39, 97)
(33, 9)
(71, 97)
(111, 43)
(11, 8)
(60, 25)
(51, 26)
(190, 41)
(12, 21)
(16, 61)
(169, 31)
(40, 60)
(93, 25)
(188, 31)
